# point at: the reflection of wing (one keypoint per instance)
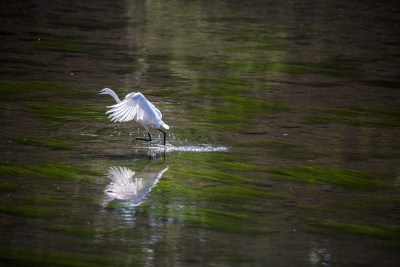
(125, 187)
(122, 185)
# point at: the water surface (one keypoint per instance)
(283, 148)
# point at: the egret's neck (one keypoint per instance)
(114, 95)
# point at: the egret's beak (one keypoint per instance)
(96, 93)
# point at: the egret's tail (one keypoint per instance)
(163, 124)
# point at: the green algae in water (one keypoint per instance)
(236, 112)
(236, 193)
(13, 91)
(233, 107)
(43, 142)
(234, 166)
(331, 176)
(205, 218)
(373, 206)
(280, 149)
(31, 212)
(30, 86)
(90, 231)
(219, 220)
(69, 112)
(387, 235)
(247, 103)
(208, 180)
(220, 86)
(299, 154)
(67, 44)
(257, 41)
(205, 190)
(268, 144)
(219, 173)
(38, 200)
(220, 161)
(211, 182)
(8, 187)
(16, 256)
(209, 175)
(380, 232)
(226, 104)
(356, 116)
(55, 171)
(322, 68)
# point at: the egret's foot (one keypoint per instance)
(144, 139)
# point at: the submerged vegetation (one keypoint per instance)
(71, 44)
(328, 176)
(54, 171)
(390, 234)
(90, 232)
(232, 106)
(31, 211)
(43, 142)
(357, 117)
(229, 74)
(250, 66)
(32, 257)
(69, 112)
(26, 91)
(205, 218)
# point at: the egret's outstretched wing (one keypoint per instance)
(135, 107)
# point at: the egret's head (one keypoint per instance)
(105, 91)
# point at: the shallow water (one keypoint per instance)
(283, 148)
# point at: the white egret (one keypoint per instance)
(135, 107)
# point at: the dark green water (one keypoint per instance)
(283, 148)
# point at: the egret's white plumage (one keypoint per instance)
(136, 107)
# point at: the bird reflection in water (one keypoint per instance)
(125, 187)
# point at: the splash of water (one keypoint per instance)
(188, 148)
(198, 148)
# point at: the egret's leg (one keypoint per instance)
(164, 133)
(144, 139)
